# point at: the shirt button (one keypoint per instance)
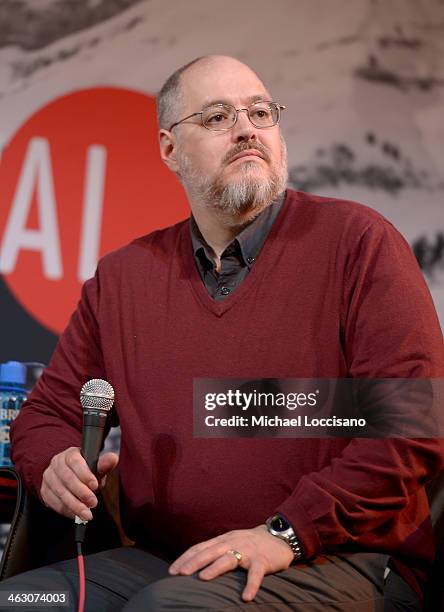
(225, 290)
(250, 260)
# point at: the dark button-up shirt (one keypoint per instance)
(239, 256)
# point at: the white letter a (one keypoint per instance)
(36, 172)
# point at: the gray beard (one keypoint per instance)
(244, 197)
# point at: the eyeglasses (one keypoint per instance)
(223, 117)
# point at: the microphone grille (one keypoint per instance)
(97, 393)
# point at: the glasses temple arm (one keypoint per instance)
(184, 119)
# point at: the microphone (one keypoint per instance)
(97, 399)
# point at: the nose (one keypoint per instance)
(243, 129)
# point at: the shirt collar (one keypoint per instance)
(248, 242)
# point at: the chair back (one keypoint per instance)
(39, 536)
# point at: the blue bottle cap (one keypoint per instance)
(13, 372)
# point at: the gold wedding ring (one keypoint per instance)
(236, 554)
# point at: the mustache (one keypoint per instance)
(245, 146)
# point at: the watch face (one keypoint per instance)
(278, 523)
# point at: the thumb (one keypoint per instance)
(106, 464)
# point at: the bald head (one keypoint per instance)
(192, 79)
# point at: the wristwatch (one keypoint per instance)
(278, 526)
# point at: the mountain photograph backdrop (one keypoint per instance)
(362, 80)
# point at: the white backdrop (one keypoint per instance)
(363, 81)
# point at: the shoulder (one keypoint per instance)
(347, 220)
(151, 249)
(332, 209)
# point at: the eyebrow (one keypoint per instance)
(250, 100)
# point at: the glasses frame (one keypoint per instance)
(279, 108)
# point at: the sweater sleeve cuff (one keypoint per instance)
(303, 527)
(32, 474)
(31, 471)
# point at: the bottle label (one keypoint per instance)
(8, 414)
(4, 434)
(9, 408)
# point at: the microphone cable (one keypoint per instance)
(79, 537)
(82, 586)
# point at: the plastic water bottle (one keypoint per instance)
(12, 396)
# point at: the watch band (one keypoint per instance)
(293, 542)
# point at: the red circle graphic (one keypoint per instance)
(82, 176)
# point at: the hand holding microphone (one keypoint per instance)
(71, 477)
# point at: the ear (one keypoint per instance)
(167, 144)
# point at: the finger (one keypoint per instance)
(62, 477)
(198, 559)
(225, 563)
(106, 463)
(189, 554)
(74, 460)
(52, 501)
(254, 580)
(67, 499)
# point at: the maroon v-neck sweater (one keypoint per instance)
(335, 292)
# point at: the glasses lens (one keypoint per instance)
(264, 114)
(219, 117)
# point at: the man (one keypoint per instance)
(261, 283)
